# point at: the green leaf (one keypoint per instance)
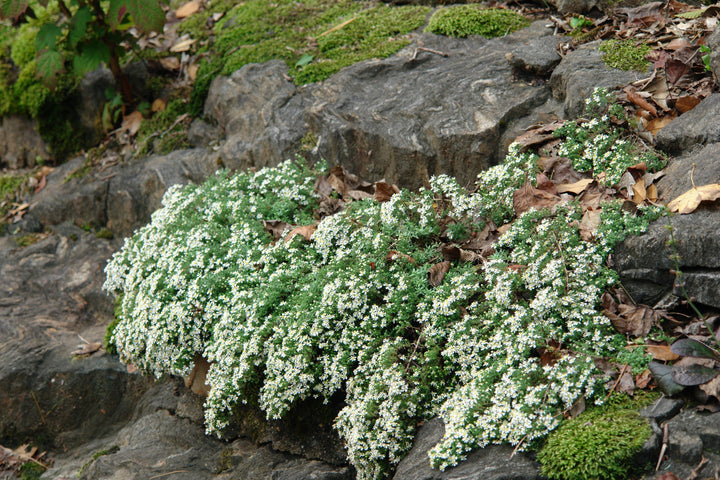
(147, 14)
(47, 37)
(78, 25)
(116, 13)
(692, 14)
(694, 374)
(663, 376)
(92, 55)
(687, 347)
(304, 60)
(48, 65)
(12, 8)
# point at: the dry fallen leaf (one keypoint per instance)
(188, 9)
(626, 384)
(577, 187)
(87, 349)
(527, 197)
(383, 191)
(437, 272)
(305, 231)
(589, 224)
(712, 388)
(690, 200)
(635, 320)
(686, 103)
(657, 124)
(639, 192)
(131, 123)
(159, 105)
(643, 378)
(662, 353)
(183, 45)
(394, 254)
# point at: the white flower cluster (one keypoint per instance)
(352, 309)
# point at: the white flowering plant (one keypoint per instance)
(351, 310)
(596, 146)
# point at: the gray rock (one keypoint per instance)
(201, 133)
(64, 199)
(137, 189)
(685, 447)
(699, 126)
(575, 6)
(538, 57)
(582, 71)
(121, 197)
(418, 114)
(20, 143)
(493, 462)
(261, 113)
(713, 43)
(50, 297)
(664, 409)
(644, 261)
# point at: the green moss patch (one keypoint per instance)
(600, 443)
(164, 131)
(315, 38)
(625, 54)
(465, 20)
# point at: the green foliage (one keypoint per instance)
(705, 50)
(625, 54)
(599, 444)
(258, 31)
(96, 455)
(31, 471)
(160, 133)
(597, 146)
(464, 20)
(283, 321)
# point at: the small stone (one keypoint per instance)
(685, 447)
(664, 409)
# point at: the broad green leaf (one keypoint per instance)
(116, 13)
(687, 347)
(147, 14)
(78, 25)
(695, 374)
(663, 376)
(48, 65)
(12, 8)
(47, 37)
(91, 56)
(692, 14)
(304, 60)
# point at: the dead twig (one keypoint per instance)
(430, 50)
(664, 447)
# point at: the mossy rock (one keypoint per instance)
(315, 38)
(599, 444)
(625, 54)
(465, 20)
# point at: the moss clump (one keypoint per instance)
(465, 20)
(163, 133)
(104, 233)
(600, 443)
(31, 471)
(625, 54)
(98, 454)
(331, 34)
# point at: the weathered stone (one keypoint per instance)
(20, 143)
(713, 43)
(538, 57)
(494, 462)
(685, 447)
(418, 114)
(64, 199)
(137, 189)
(582, 71)
(50, 297)
(699, 126)
(664, 409)
(201, 133)
(261, 113)
(644, 262)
